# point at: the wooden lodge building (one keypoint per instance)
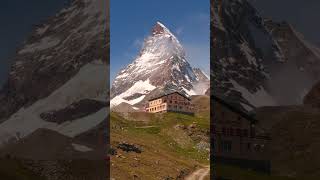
(237, 140)
(170, 102)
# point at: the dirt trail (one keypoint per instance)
(200, 174)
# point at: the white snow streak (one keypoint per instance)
(257, 99)
(189, 92)
(248, 53)
(81, 148)
(45, 43)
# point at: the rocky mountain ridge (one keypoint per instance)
(258, 62)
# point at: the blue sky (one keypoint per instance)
(17, 19)
(131, 22)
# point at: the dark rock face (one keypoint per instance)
(183, 174)
(200, 75)
(133, 96)
(76, 110)
(129, 147)
(207, 92)
(158, 29)
(313, 97)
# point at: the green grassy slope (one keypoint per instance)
(168, 151)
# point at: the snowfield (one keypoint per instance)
(138, 87)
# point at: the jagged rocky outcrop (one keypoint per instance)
(200, 76)
(313, 97)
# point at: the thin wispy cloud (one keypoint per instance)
(179, 30)
(137, 43)
(199, 17)
(198, 55)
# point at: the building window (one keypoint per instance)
(175, 102)
(245, 133)
(180, 107)
(165, 101)
(170, 101)
(169, 106)
(253, 133)
(231, 132)
(224, 131)
(248, 147)
(226, 146)
(257, 147)
(238, 132)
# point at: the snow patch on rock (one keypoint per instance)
(81, 148)
(257, 99)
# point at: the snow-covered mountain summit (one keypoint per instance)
(161, 63)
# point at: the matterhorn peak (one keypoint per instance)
(161, 43)
(161, 63)
(159, 28)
